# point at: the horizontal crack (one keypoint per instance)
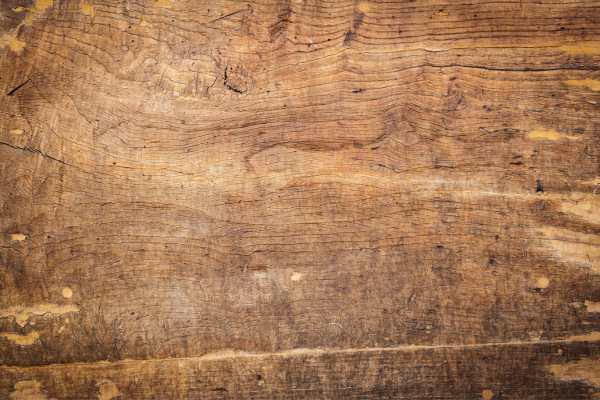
(232, 354)
(34, 151)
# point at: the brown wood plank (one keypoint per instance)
(300, 185)
(560, 370)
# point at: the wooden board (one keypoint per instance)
(299, 199)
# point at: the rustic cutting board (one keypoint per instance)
(299, 199)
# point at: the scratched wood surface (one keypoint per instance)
(299, 199)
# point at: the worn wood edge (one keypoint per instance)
(556, 369)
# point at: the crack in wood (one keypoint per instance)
(18, 87)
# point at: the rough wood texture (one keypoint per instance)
(299, 199)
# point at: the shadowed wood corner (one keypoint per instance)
(299, 199)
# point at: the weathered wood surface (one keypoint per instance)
(299, 199)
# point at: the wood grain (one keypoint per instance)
(364, 199)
